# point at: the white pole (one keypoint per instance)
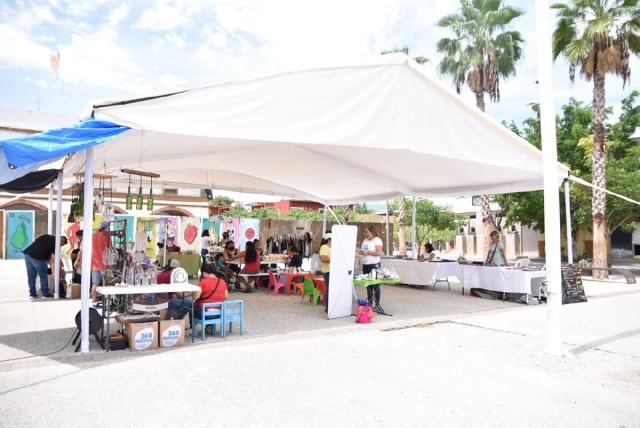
(166, 244)
(550, 168)
(414, 253)
(389, 250)
(56, 271)
(87, 239)
(50, 213)
(324, 220)
(568, 213)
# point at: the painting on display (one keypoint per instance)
(20, 232)
(170, 226)
(148, 225)
(233, 229)
(190, 234)
(69, 230)
(214, 230)
(250, 228)
(130, 225)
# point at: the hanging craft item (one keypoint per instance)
(128, 202)
(109, 212)
(150, 200)
(139, 197)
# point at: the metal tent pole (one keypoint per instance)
(324, 220)
(56, 270)
(550, 169)
(87, 239)
(50, 213)
(414, 253)
(567, 204)
(389, 250)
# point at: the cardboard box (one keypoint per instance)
(73, 291)
(171, 333)
(142, 336)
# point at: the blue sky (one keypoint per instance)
(115, 48)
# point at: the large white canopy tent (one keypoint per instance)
(365, 132)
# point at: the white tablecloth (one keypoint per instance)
(498, 278)
(160, 288)
(420, 273)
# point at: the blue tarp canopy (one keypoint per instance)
(20, 156)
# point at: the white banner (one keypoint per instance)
(343, 254)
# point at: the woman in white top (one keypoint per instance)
(429, 253)
(496, 255)
(205, 243)
(371, 252)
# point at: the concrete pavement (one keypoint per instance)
(480, 366)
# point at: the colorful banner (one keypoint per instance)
(170, 226)
(69, 230)
(190, 234)
(250, 228)
(233, 229)
(130, 226)
(19, 232)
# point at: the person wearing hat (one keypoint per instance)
(99, 242)
(325, 258)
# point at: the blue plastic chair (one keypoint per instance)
(212, 318)
(233, 312)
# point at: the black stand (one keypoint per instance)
(371, 297)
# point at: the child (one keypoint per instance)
(219, 260)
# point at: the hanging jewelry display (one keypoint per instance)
(108, 207)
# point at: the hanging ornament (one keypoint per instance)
(150, 200)
(109, 211)
(128, 201)
(139, 197)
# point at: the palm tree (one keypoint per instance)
(598, 36)
(402, 212)
(481, 51)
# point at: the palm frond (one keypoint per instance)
(564, 34)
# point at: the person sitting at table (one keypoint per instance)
(371, 252)
(220, 260)
(212, 290)
(251, 266)
(496, 255)
(225, 238)
(258, 247)
(429, 253)
(295, 260)
(231, 254)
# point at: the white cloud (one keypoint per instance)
(18, 50)
(42, 84)
(119, 14)
(169, 82)
(171, 39)
(167, 15)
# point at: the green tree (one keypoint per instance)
(303, 215)
(222, 200)
(405, 50)
(431, 221)
(362, 209)
(481, 52)
(598, 36)
(239, 212)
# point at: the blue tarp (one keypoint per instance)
(19, 156)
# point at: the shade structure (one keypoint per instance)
(369, 131)
(31, 182)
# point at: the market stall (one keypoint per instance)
(501, 279)
(420, 273)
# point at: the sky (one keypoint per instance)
(115, 48)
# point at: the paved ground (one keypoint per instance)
(463, 362)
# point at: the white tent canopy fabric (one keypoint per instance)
(366, 132)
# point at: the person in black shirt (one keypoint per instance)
(296, 259)
(37, 257)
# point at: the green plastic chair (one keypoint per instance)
(310, 290)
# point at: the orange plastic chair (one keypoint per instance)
(275, 284)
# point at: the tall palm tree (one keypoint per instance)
(481, 52)
(598, 36)
(402, 212)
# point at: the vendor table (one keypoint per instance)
(109, 292)
(504, 280)
(370, 294)
(420, 273)
(190, 263)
